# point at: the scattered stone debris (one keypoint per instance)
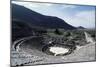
(32, 50)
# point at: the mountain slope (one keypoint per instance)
(32, 18)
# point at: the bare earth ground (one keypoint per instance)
(35, 57)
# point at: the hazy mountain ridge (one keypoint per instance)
(80, 27)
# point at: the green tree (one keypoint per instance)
(57, 31)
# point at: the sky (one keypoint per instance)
(75, 15)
